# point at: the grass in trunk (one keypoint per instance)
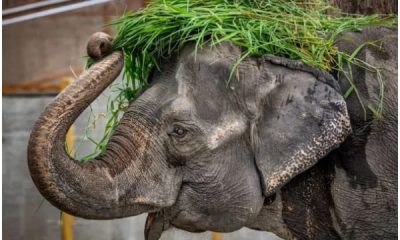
(299, 30)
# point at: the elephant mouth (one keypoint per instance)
(156, 224)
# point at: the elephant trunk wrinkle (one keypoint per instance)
(85, 189)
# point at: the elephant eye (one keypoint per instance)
(179, 131)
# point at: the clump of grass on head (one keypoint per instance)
(299, 30)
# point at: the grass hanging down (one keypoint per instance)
(292, 29)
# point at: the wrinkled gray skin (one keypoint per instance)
(352, 192)
(193, 151)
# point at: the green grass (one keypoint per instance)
(299, 31)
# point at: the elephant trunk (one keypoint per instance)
(89, 189)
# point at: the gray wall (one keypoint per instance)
(26, 215)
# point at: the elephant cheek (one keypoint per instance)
(154, 185)
(137, 157)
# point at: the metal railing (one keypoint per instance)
(48, 12)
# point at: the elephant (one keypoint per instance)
(270, 149)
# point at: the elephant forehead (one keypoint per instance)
(183, 78)
(180, 104)
(201, 89)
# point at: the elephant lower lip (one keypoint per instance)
(149, 222)
(156, 223)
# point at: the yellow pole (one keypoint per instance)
(67, 221)
(217, 236)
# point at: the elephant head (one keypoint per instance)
(193, 150)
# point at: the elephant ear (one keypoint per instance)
(298, 116)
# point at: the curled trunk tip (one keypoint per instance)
(99, 45)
